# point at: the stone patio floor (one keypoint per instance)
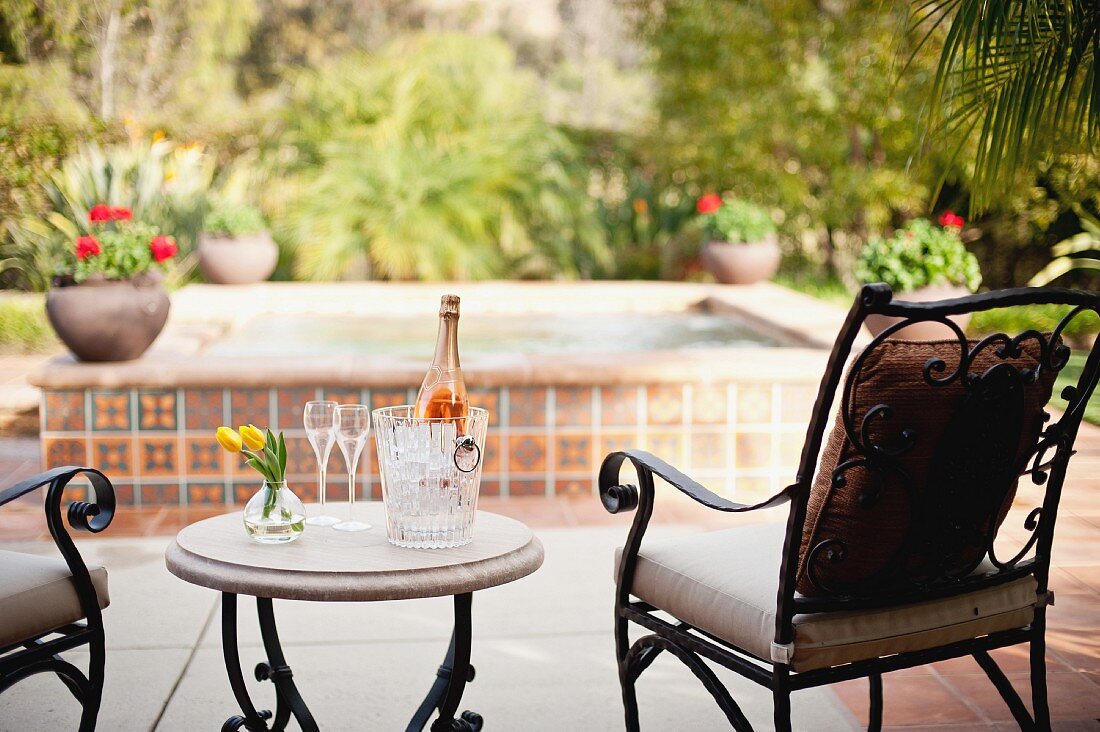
(542, 646)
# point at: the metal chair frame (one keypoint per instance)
(41, 653)
(1048, 460)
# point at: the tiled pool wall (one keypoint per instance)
(741, 439)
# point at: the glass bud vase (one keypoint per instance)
(274, 515)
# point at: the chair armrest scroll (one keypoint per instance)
(617, 498)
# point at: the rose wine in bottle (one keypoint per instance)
(443, 393)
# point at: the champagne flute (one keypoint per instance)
(352, 425)
(319, 419)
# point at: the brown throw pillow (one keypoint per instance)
(926, 506)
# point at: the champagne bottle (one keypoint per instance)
(443, 393)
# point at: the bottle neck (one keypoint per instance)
(446, 344)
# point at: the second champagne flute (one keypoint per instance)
(352, 425)
(319, 420)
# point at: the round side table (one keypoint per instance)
(336, 566)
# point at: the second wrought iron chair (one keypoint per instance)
(48, 605)
(887, 558)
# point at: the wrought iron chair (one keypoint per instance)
(43, 600)
(753, 599)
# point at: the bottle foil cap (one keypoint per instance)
(448, 305)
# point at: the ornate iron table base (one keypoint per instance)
(444, 696)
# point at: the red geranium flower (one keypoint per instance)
(99, 213)
(951, 219)
(87, 246)
(709, 203)
(163, 247)
(121, 214)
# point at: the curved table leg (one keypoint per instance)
(451, 679)
(253, 721)
(288, 700)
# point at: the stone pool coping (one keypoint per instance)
(202, 314)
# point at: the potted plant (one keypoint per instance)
(236, 248)
(922, 261)
(740, 246)
(111, 304)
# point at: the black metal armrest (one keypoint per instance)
(93, 516)
(617, 498)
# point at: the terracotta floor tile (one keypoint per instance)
(1012, 660)
(1073, 696)
(909, 700)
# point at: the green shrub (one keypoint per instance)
(919, 255)
(232, 218)
(24, 327)
(1044, 318)
(433, 159)
(738, 222)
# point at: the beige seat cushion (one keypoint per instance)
(726, 583)
(37, 595)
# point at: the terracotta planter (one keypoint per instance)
(922, 331)
(741, 264)
(109, 320)
(237, 260)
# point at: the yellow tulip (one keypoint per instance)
(228, 439)
(253, 438)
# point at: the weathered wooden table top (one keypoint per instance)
(325, 565)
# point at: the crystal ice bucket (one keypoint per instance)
(431, 472)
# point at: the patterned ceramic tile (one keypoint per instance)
(487, 399)
(619, 406)
(157, 410)
(754, 450)
(754, 403)
(527, 454)
(110, 410)
(244, 490)
(708, 451)
(64, 451)
(160, 495)
(790, 450)
(618, 441)
(753, 490)
(573, 406)
(492, 454)
(388, 398)
(300, 459)
(489, 487)
(708, 404)
(64, 411)
(250, 406)
(573, 453)
(198, 493)
(526, 487)
(157, 456)
(343, 395)
(292, 405)
(113, 455)
(204, 457)
(574, 487)
(664, 404)
(306, 490)
(527, 407)
(669, 446)
(124, 493)
(203, 409)
(797, 402)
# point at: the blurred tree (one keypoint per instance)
(431, 159)
(794, 105)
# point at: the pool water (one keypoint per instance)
(489, 334)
